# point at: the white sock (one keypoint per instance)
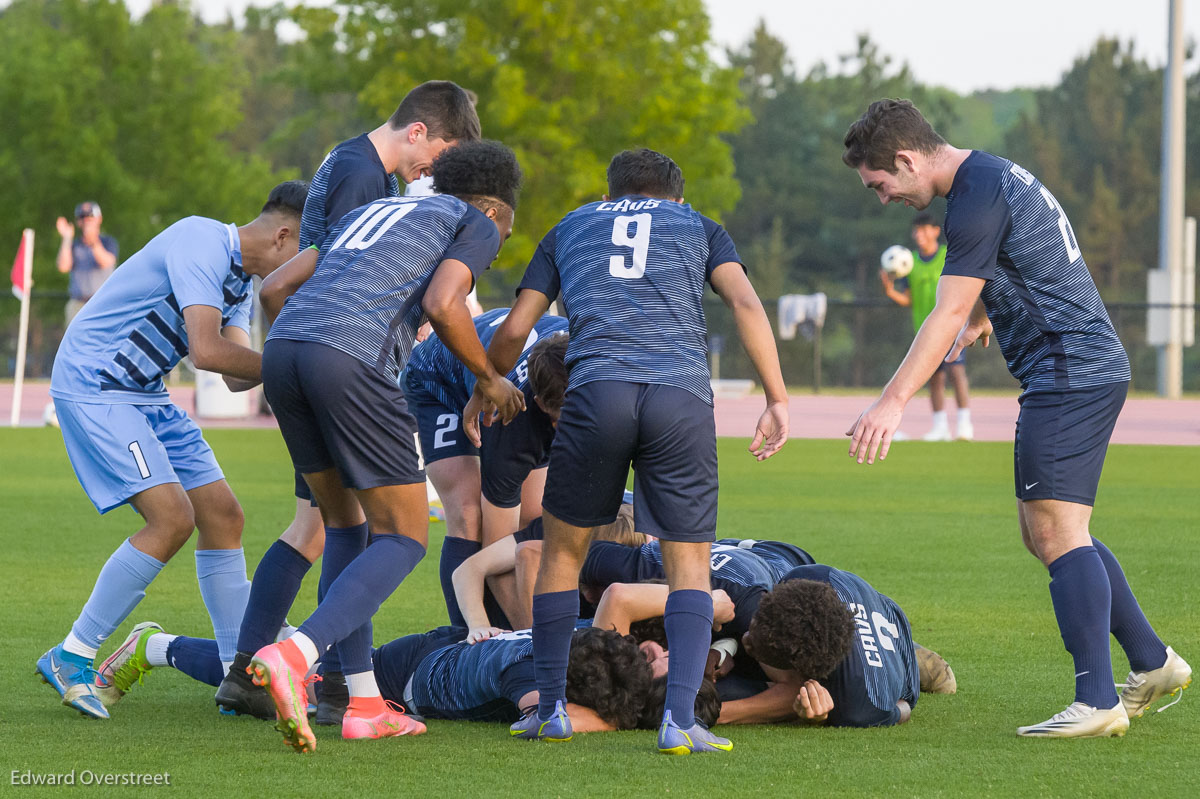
(362, 685)
(285, 632)
(156, 648)
(307, 647)
(77, 647)
(226, 666)
(939, 420)
(964, 416)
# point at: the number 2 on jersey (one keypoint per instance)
(638, 240)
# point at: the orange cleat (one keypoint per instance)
(377, 718)
(281, 669)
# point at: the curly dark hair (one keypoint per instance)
(884, 129)
(650, 630)
(801, 625)
(609, 674)
(478, 170)
(708, 704)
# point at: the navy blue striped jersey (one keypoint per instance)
(881, 668)
(1004, 226)
(509, 452)
(132, 333)
(350, 176)
(743, 568)
(364, 298)
(476, 682)
(632, 274)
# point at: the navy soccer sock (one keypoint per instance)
(454, 551)
(554, 617)
(276, 583)
(1133, 632)
(361, 588)
(342, 546)
(1082, 601)
(197, 658)
(688, 620)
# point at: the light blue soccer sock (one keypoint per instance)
(554, 617)
(225, 590)
(120, 586)
(1133, 632)
(1082, 600)
(688, 619)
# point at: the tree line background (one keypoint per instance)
(165, 116)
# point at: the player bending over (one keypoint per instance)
(430, 118)
(492, 490)
(331, 365)
(1013, 266)
(186, 293)
(632, 270)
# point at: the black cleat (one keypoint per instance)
(238, 695)
(332, 699)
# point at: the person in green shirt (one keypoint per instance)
(921, 294)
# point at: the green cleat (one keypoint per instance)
(127, 666)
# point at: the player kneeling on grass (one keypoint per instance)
(186, 293)
(330, 370)
(491, 490)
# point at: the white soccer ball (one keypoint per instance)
(897, 261)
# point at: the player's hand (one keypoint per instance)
(813, 703)
(872, 431)
(723, 609)
(505, 399)
(771, 432)
(478, 634)
(887, 280)
(65, 228)
(477, 405)
(970, 333)
(424, 331)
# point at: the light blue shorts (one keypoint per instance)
(120, 450)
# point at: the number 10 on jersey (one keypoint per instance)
(633, 232)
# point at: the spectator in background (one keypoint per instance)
(920, 294)
(90, 258)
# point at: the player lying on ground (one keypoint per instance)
(331, 366)
(632, 271)
(494, 489)
(186, 293)
(430, 118)
(1014, 266)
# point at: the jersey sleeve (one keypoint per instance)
(535, 531)
(852, 707)
(976, 225)
(518, 680)
(197, 265)
(720, 247)
(608, 562)
(476, 242)
(352, 183)
(509, 453)
(542, 272)
(241, 314)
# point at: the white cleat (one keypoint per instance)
(965, 432)
(1143, 688)
(937, 434)
(1081, 721)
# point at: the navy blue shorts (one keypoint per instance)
(335, 411)
(961, 360)
(1061, 440)
(666, 433)
(396, 661)
(439, 419)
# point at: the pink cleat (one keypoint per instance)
(377, 718)
(281, 669)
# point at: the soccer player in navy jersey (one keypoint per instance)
(188, 293)
(430, 118)
(1014, 267)
(632, 270)
(331, 367)
(492, 490)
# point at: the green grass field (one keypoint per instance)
(933, 527)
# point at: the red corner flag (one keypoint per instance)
(19, 288)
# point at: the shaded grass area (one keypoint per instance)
(934, 527)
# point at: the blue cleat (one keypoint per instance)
(557, 728)
(675, 741)
(74, 677)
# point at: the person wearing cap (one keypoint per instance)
(90, 258)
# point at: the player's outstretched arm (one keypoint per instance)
(872, 432)
(285, 281)
(469, 580)
(768, 707)
(901, 298)
(622, 604)
(242, 339)
(502, 354)
(214, 352)
(754, 329)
